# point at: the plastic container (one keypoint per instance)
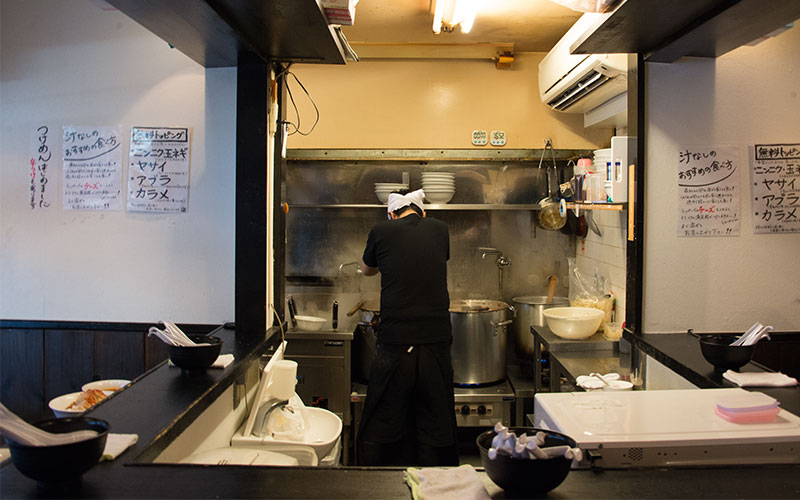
(748, 417)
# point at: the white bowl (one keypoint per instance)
(390, 185)
(430, 184)
(440, 189)
(618, 385)
(108, 387)
(383, 196)
(437, 197)
(59, 405)
(437, 174)
(310, 323)
(573, 322)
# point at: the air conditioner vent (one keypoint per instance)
(586, 85)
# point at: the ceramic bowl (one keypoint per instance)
(524, 478)
(60, 405)
(108, 387)
(310, 323)
(573, 322)
(63, 463)
(718, 351)
(196, 357)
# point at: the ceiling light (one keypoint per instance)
(449, 13)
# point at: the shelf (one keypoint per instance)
(214, 32)
(473, 206)
(666, 31)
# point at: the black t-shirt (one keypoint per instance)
(411, 254)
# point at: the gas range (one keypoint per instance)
(484, 405)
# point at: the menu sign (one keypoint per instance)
(775, 175)
(708, 191)
(91, 168)
(158, 171)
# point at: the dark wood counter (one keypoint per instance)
(164, 401)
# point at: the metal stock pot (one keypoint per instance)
(479, 340)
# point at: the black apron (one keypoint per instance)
(410, 397)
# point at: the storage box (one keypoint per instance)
(623, 154)
(340, 11)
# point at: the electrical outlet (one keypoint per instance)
(479, 137)
(498, 138)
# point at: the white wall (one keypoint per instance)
(723, 284)
(78, 62)
(604, 255)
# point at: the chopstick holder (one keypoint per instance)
(116, 444)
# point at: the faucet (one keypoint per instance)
(354, 263)
(263, 412)
(501, 262)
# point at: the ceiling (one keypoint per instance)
(531, 25)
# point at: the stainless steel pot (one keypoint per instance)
(530, 311)
(479, 340)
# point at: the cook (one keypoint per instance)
(409, 416)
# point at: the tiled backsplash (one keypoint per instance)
(605, 254)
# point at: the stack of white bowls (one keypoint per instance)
(439, 187)
(601, 157)
(383, 189)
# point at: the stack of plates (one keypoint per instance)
(382, 190)
(601, 157)
(439, 187)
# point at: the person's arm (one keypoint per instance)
(368, 270)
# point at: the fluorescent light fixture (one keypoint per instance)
(447, 14)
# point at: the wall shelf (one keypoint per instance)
(471, 206)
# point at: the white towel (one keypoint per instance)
(456, 483)
(223, 361)
(116, 444)
(397, 200)
(759, 379)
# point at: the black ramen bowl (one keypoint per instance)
(523, 478)
(196, 357)
(718, 351)
(62, 464)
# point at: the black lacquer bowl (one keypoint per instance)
(718, 351)
(523, 478)
(196, 357)
(62, 464)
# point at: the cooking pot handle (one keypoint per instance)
(497, 324)
(513, 310)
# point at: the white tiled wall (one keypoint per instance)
(605, 254)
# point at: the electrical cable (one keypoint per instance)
(285, 73)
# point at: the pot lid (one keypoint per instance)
(476, 305)
(539, 300)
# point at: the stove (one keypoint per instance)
(484, 405)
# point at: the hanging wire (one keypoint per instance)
(285, 73)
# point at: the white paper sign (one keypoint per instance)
(92, 168)
(708, 191)
(43, 167)
(775, 176)
(158, 169)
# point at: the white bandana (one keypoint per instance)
(397, 200)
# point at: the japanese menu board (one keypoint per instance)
(708, 191)
(91, 168)
(775, 176)
(43, 167)
(158, 169)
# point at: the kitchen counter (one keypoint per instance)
(680, 353)
(164, 401)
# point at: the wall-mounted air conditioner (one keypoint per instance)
(581, 82)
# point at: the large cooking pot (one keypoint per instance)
(530, 313)
(479, 340)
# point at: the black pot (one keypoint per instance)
(53, 465)
(718, 351)
(522, 478)
(196, 357)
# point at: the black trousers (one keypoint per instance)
(409, 413)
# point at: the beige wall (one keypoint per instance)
(432, 104)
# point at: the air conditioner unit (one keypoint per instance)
(576, 83)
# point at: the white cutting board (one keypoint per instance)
(655, 418)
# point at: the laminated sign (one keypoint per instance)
(708, 191)
(775, 179)
(158, 169)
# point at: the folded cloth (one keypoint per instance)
(223, 361)
(116, 444)
(457, 483)
(760, 379)
(397, 200)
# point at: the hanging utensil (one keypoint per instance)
(551, 290)
(591, 223)
(550, 216)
